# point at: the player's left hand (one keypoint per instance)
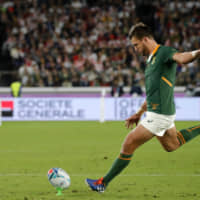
(132, 120)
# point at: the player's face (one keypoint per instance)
(139, 46)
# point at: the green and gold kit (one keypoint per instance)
(160, 76)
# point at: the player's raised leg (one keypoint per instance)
(185, 135)
(133, 140)
(169, 140)
(173, 138)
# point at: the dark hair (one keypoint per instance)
(139, 31)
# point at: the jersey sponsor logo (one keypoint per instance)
(150, 120)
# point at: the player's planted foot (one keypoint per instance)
(96, 185)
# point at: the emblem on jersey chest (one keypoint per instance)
(153, 60)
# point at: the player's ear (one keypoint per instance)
(145, 39)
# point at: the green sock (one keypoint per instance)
(119, 164)
(185, 135)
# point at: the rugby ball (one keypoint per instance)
(59, 178)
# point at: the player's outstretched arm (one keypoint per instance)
(136, 117)
(186, 57)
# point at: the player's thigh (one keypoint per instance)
(169, 140)
(136, 138)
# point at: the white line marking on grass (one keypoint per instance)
(98, 175)
(20, 174)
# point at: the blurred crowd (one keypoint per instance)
(84, 43)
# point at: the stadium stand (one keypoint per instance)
(84, 42)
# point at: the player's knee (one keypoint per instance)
(169, 148)
(128, 147)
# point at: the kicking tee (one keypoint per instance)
(160, 76)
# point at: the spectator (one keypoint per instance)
(117, 87)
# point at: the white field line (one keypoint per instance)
(98, 175)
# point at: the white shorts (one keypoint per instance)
(158, 123)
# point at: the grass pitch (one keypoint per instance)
(87, 149)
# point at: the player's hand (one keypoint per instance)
(132, 120)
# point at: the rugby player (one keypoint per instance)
(159, 105)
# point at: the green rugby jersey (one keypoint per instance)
(160, 76)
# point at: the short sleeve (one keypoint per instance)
(168, 54)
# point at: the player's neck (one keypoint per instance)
(152, 44)
(152, 48)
